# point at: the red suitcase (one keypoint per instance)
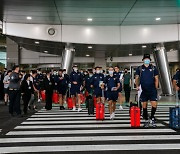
(43, 95)
(100, 111)
(95, 101)
(55, 98)
(69, 103)
(135, 116)
(82, 97)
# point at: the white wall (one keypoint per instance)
(96, 34)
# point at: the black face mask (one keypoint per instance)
(125, 71)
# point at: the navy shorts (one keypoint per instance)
(112, 96)
(149, 96)
(75, 89)
(62, 90)
(98, 92)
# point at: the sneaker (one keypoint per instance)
(39, 100)
(79, 109)
(110, 117)
(113, 115)
(146, 124)
(120, 107)
(29, 107)
(152, 123)
(74, 109)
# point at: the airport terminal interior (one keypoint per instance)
(82, 43)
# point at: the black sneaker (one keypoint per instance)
(5, 103)
(146, 124)
(29, 107)
(153, 123)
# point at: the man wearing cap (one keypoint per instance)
(147, 77)
(76, 80)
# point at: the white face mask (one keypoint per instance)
(98, 71)
(90, 75)
(54, 73)
(111, 72)
(75, 69)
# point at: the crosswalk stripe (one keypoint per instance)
(90, 138)
(78, 126)
(107, 147)
(112, 131)
(85, 115)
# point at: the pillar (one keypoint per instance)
(68, 57)
(161, 60)
(13, 53)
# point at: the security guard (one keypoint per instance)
(62, 85)
(119, 76)
(76, 80)
(148, 76)
(113, 84)
(97, 82)
(14, 92)
(48, 87)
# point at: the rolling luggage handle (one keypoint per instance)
(177, 102)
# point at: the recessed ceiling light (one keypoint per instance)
(45, 51)
(29, 18)
(89, 19)
(36, 42)
(130, 54)
(87, 55)
(89, 47)
(157, 19)
(144, 46)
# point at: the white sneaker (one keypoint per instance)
(111, 116)
(79, 109)
(39, 100)
(74, 109)
(120, 107)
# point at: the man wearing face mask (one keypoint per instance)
(97, 81)
(119, 75)
(87, 81)
(62, 85)
(113, 84)
(147, 77)
(127, 84)
(76, 80)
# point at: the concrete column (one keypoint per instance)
(161, 60)
(13, 53)
(68, 57)
(100, 59)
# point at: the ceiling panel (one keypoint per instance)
(103, 12)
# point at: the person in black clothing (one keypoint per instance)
(48, 87)
(14, 92)
(26, 91)
(62, 85)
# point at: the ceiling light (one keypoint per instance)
(87, 55)
(89, 47)
(29, 18)
(89, 19)
(45, 51)
(157, 19)
(130, 54)
(144, 46)
(36, 42)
